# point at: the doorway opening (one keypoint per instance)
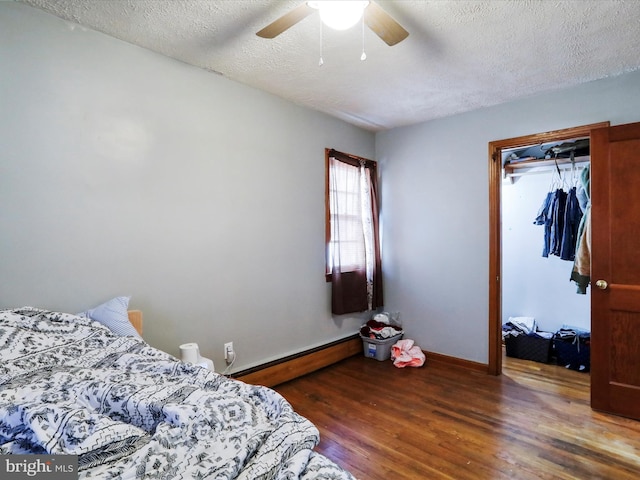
(497, 150)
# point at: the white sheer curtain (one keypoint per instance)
(367, 228)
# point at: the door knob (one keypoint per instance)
(602, 284)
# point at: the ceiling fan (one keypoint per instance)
(379, 21)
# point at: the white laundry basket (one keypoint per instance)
(379, 349)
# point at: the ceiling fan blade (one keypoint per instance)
(383, 25)
(286, 21)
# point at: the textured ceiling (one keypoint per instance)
(459, 56)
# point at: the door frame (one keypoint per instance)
(494, 366)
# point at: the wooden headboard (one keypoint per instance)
(135, 317)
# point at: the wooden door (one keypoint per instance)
(615, 270)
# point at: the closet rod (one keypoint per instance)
(544, 170)
(529, 167)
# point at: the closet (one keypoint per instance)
(499, 179)
(615, 292)
(538, 238)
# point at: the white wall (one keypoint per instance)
(436, 206)
(126, 172)
(533, 285)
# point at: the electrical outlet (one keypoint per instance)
(229, 354)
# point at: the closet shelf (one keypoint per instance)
(533, 166)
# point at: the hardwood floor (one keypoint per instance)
(446, 422)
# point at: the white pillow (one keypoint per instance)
(113, 315)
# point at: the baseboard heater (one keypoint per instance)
(294, 366)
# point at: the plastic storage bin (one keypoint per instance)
(379, 349)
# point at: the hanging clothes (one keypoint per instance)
(581, 273)
(572, 219)
(551, 215)
(561, 216)
(558, 207)
(544, 218)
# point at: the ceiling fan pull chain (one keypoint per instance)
(321, 62)
(363, 57)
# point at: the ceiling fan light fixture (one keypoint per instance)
(340, 14)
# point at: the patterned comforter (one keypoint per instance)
(70, 386)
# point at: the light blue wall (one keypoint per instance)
(126, 172)
(436, 206)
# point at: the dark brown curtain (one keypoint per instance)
(349, 292)
(353, 288)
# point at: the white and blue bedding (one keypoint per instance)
(70, 386)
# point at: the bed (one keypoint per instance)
(69, 385)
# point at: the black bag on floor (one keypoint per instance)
(573, 349)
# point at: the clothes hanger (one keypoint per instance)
(557, 181)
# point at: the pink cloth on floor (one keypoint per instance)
(405, 353)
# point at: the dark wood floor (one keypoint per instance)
(444, 422)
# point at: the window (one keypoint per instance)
(352, 245)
